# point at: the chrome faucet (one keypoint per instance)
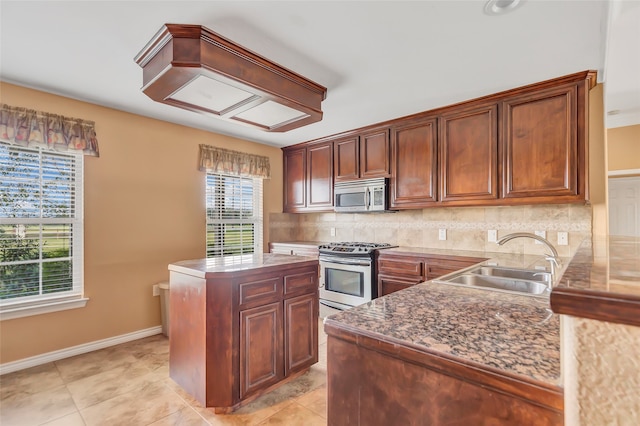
(552, 258)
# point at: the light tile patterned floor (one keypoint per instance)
(129, 384)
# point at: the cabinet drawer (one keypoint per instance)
(439, 267)
(304, 283)
(396, 266)
(388, 285)
(263, 291)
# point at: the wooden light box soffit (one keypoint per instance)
(191, 67)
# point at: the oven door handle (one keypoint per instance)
(347, 262)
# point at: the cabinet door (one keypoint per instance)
(320, 177)
(413, 164)
(468, 152)
(389, 284)
(300, 332)
(375, 154)
(539, 143)
(346, 159)
(295, 172)
(261, 358)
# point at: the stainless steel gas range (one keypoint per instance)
(347, 273)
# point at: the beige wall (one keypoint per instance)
(624, 147)
(598, 163)
(144, 208)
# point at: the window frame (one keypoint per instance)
(256, 219)
(12, 308)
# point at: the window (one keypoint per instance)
(234, 215)
(41, 242)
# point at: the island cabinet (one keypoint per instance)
(362, 156)
(308, 178)
(398, 270)
(241, 325)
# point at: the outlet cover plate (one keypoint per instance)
(442, 234)
(563, 238)
(542, 234)
(492, 235)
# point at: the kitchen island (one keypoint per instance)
(437, 354)
(241, 325)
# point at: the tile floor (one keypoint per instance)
(129, 384)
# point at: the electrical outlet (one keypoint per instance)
(492, 235)
(333, 232)
(563, 238)
(442, 234)
(156, 290)
(542, 234)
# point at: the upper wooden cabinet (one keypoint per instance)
(308, 178)
(522, 146)
(540, 144)
(468, 154)
(414, 164)
(362, 156)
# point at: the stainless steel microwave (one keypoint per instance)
(361, 196)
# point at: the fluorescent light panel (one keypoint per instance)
(211, 94)
(270, 114)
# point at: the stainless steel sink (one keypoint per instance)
(514, 285)
(518, 274)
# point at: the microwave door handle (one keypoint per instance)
(367, 198)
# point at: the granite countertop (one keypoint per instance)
(206, 267)
(517, 335)
(602, 281)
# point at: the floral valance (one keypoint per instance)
(30, 128)
(220, 160)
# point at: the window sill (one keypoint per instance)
(44, 307)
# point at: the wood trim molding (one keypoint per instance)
(624, 173)
(619, 308)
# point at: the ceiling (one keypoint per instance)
(378, 60)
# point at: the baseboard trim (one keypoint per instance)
(10, 367)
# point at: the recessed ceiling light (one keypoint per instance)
(500, 7)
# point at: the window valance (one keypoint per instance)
(225, 161)
(30, 128)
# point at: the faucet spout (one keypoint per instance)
(509, 237)
(552, 258)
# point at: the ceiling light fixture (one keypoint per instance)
(500, 7)
(191, 67)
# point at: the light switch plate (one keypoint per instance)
(542, 234)
(563, 238)
(442, 234)
(333, 232)
(492, 235)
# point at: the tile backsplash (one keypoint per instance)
(466, 227)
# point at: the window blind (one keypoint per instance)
(41, 225)
(234, 215)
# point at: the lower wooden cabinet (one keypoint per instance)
(261, 360)
(300, 332)
(398, 270)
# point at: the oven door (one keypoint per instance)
(346, 281)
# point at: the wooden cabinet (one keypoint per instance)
(399, 270)
(308, 178)
(414, 164)
(540, 144)
(300, 332)
(523, 146)
(295, 179)
(236, 335)
(261, 359)
(468, 154)
(362, 156)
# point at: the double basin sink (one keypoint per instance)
(512, 280)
